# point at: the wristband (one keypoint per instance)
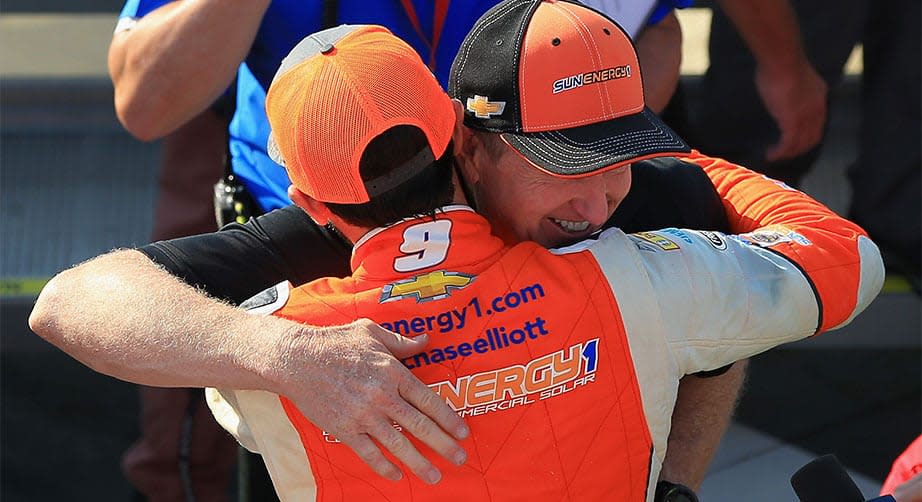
(673, 492)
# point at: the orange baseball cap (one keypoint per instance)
(336, 91)
(561, 84)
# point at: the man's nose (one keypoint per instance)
(592, 201)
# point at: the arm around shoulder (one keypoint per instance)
(122, 315)
(837, 257)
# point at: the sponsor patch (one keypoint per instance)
(427, 287)
(544, 377)
(800, 239)
(714, 239)
(656, 239)
(483, 108)
(557, 374)
(675, 232)
(771, 236)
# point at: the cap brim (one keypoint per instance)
(275, 153)
(603, 145)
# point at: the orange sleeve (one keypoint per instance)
(835, 254)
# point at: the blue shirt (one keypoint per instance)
(286, 23)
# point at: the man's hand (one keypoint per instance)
(797, 102)
(791, 89)
(349, 381)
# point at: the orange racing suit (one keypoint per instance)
(565, 363)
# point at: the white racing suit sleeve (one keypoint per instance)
(711, 299)
(256, 418)
(694, 301)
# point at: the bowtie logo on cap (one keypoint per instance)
(483, 108)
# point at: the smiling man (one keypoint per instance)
(557, 211)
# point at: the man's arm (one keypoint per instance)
(703, 410)
(659, 49)
(693, 301)
(122, 315)
(793, 92)
(175, 61)
(841, 263)
(750, 202)
(239, 261)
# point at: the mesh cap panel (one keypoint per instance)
(326, 109)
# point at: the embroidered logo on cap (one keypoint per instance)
(591, 77)
(483, 108)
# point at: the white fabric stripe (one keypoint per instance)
(656, 370)
(871, 279)
(258, 421)
(283, 291)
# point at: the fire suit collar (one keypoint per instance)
(455, 238)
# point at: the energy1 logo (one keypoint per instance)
(541, 378)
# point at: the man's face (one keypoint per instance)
(524, 203)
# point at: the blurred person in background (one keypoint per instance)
(734, 119)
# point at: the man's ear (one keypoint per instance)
(464, 141)
(317, 210)
(461, 134)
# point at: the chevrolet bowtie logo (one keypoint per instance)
(426, 287)
(483, 108)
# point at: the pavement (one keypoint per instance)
(73, 184)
